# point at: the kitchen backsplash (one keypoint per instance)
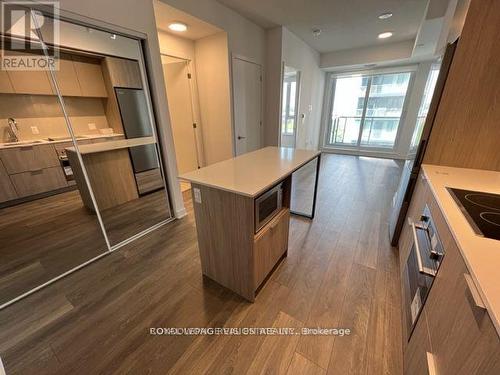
(43, 114)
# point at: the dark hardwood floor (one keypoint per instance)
(47, 237)
(340, 272)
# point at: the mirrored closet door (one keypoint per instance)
(80, 164)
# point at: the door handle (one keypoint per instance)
(240, 137)
(423, 270)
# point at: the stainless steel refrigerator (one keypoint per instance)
(411, 168)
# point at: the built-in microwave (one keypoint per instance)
(422, 265)
(267, 205)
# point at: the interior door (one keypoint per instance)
(247, 91)
(181, 116)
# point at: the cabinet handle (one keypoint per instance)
(478, 301)
(431, 364)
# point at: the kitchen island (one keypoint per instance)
(236, 252)
(110, 171)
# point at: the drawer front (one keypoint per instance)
(415, 354)
(40, 181)
(269, 245)
(149, 180)
(30, 158)
(7, 191)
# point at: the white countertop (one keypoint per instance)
(112, 145)
(45, 141)
(482, 255)
(252, 173)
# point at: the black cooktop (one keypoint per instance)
(482, 210)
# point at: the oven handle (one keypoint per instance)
(423, 270)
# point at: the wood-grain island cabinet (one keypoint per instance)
(454, 334)
(235, 251)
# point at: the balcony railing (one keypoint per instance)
(378, 131)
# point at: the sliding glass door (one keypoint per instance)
(366, 110)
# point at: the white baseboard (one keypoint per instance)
(179, 214)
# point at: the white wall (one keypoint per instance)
(212, 66)
(244, 37)
(137, 16)
(297, 54)
(284, 47)
(272, 84)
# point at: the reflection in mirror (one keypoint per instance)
(289, 107)
(45, 229)
(303, 183)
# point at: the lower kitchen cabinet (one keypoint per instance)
(40, 181)
(454, 334)
(29, 158)
(270, 244)
(418, 349)
(7, 191)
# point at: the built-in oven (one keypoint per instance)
(422, 265)
(267, 206)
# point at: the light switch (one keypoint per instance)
(34, 130)
(91, 126)
(197, 195)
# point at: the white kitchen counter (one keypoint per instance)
(252, 173)
(112, 145)
(482, 255)
(38, 142)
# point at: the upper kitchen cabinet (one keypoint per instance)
(35, 82)
(123, 72)
(5, 85)
(89, 74)
(66, 77)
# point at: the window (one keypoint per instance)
(367, 110)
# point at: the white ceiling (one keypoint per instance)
(197, 29)
(345, 24)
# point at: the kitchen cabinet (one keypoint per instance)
(90, 77)
(30, 81)
(461, 338)
(7, 191)
(38, 181)
(28, 158)
(67, 78)
(269, 245)
(5, 85)
(123, 72)
(417, 352)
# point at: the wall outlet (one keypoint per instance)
(310, 107)
(34, 130)
(91, 126)
(197, 195)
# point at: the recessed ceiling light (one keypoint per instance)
(385, 35)
(177, 26)
(113, 36)
(385, 15)
(316, 31)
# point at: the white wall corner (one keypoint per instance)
(179, 214)
(2, 369)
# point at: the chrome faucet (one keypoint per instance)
(13, 130)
